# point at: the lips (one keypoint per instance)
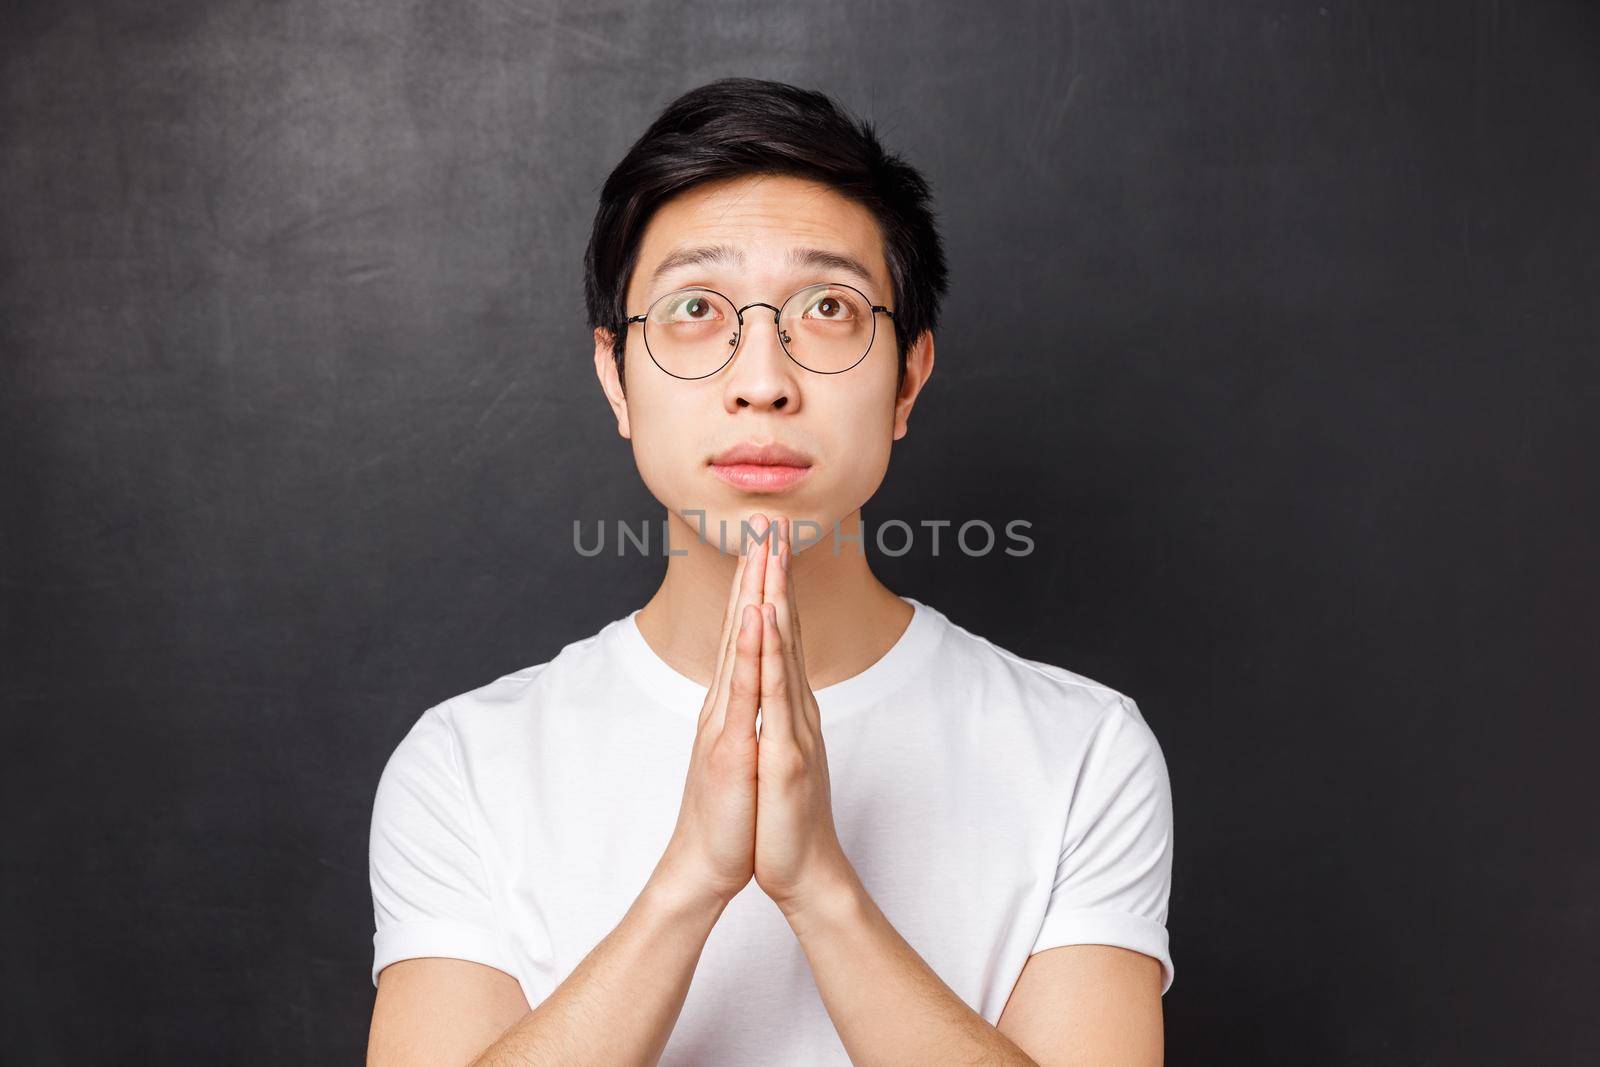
(761, 468)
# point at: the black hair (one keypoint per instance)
(745, 126)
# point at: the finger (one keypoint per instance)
(749, 592)
(807, 701)
(774, 554)
(796, 639)
(730, 622)
(775, 591)
(802, 700)
(744, 685)
(737, 597)
(725, 640)
(777, 715)
(807, 715)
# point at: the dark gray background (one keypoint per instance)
(1277, 319)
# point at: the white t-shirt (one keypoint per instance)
(993, 806)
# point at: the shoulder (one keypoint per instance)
(1048, 688)
(505, 706)
(1043, 721)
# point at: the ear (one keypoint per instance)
(605, 367)
(919, 365)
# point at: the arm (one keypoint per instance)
(887, 1004)
(1088, 1005)
(617, 1006)
(1077, 1004)
(620, 1003)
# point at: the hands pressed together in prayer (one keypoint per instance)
(760, 806)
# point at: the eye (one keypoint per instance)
(690, 307)
(830, 306)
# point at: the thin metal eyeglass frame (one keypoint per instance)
(777, 322)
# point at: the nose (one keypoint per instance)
(763, 375)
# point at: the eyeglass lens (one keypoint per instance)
(825, 328)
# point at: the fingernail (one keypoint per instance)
(744, 621)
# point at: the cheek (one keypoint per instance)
(662, 438)
(654, 468)
(862, 441)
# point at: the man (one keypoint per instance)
(779, 814)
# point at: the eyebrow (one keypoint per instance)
(798, 257)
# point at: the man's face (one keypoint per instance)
(843, 423)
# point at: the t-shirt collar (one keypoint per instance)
(880, 680)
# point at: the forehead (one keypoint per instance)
(761, 223)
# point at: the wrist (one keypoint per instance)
(836, 900)
(673, 889)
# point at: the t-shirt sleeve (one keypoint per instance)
(1114, 872)
(430, 895)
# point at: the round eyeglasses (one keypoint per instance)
(826, 328)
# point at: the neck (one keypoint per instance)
(848, 618)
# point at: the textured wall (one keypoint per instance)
(1277, 319)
